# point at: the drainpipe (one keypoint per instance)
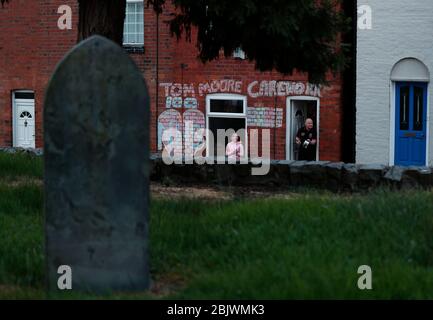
(275, 118)
(275, 115)
(157, 83)
(182, 68)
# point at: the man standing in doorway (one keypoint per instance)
(306, 139)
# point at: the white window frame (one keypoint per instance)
(289, 124)
(127, 44)
(243, 115)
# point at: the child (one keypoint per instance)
(235, 149)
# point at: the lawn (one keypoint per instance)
(307, 244)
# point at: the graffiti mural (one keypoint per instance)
(169, 119)
(179, 102)
(193, 121)
(182, 105)
(265, 117)
(220, 86)
(177, 94)
(274, 88)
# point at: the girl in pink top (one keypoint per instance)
(235, 149)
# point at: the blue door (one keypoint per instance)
(411, 123)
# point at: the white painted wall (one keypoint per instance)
(400, 29)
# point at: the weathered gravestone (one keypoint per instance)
(96, 133)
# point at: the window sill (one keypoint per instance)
(134, 49)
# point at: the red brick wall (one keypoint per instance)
(31, 45)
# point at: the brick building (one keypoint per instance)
(227, 93)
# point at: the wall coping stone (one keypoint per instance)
(334, 176)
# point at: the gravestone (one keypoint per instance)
(96, 135)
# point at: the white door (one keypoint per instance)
(24, 123)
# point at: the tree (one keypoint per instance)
(104, 17)
(282, 35)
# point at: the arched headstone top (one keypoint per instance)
(100, 61)
(410, 69)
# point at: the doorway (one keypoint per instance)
(410, 123)
(298, 110)
(23, 113)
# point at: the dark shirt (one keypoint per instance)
(308, 153)
(304, 134)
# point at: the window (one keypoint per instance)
(26, 114)
(228, 113)
(226, 106)
(418, 108)
(404, 108)
(239, 53)
(26, 95)
(133, 34)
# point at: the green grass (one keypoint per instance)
(20, 166)
(308, 246)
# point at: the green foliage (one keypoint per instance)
(305, 247)
(20, 165)
(309, 245)
(282, 35)
(21, 220)
(21, 236)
